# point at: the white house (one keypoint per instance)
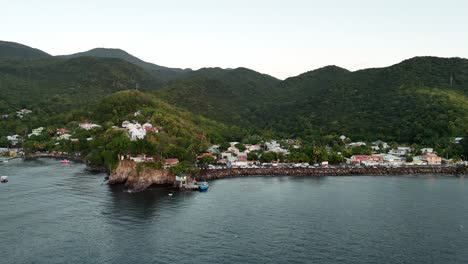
(377, 145)
(400, 151)
(23, 112)
(229, 157)
(234, 150)
(13, 139)
(392, 159)
(125, 124)
(88, 125)
(356, 144)
(427, 150)
(137, 131)
(251, 148)
(64, 136)
(457, 140)
(36, 132)
(274, 146)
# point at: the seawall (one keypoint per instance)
(226, 173)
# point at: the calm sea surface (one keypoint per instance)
(52, 213)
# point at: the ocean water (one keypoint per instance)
(53, 213)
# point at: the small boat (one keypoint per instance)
(203, 186)
(65, 161)
(3, 179)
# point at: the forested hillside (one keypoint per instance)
(159, 72)
(55, 85)
(423, 100)
(12, 50)
(231, 96)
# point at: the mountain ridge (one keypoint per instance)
(13, 50)
(419, 100)
(158, 71)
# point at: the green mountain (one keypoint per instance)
(12, 50)
(57, 84)
(228, 96)
(421, 100)
(160, 72)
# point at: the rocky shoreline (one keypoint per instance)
(138, 178)
(369, 171)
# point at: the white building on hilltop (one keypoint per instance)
(88, 125)
(36, 132)
(137, 131)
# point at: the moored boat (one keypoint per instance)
(65, 161)
(3, 179)
(203, 186)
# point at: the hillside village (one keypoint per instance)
(383, 156)
(270, 153)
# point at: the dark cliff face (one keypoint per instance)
(139, 179)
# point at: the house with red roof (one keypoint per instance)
(170, 162)
(431, 159)
(62, 131)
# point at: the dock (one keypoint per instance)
(191, 187)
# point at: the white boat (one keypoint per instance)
(3, 179)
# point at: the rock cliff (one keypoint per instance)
(139, 177)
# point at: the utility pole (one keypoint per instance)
(451, 80)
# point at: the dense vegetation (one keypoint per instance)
(411, 102)
(182, 134)
(160, 72)
(229, 96)
(12, 50)
(53, 85)
(422, 101)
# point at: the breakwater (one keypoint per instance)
(348, 171)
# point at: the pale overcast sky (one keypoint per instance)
(281, 38)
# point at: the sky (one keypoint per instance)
(280, 38)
